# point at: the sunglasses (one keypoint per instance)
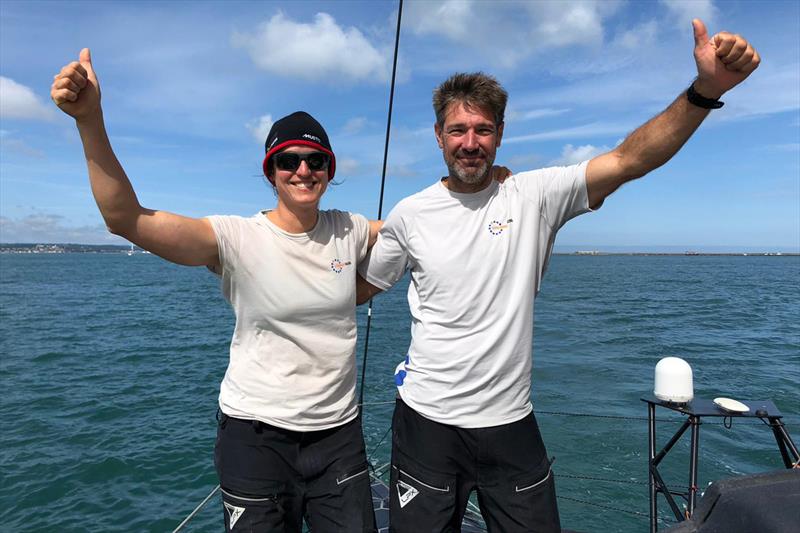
(292, 160)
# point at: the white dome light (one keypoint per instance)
(673, 382)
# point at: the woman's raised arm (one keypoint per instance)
(182, 240)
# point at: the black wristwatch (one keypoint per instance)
(699, 100)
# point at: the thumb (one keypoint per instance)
(700, 33)
(85, 59)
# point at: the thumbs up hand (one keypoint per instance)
(723, 61)
(75, 89)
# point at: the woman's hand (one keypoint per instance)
(500, 173)
(75, 89)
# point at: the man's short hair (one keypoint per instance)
(473, 89)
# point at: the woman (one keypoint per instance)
(289, 443)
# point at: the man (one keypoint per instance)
(477, 251)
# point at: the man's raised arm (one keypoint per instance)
(723, 62)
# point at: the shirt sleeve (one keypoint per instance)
(227, 230)
(387, 261)
(559, 191)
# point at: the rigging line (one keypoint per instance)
(589, 478)
(644, 418)
(617, 417)
(196, 510)
(383, 182)
(607, 507)
(375, 449)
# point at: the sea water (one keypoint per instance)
(110, 368)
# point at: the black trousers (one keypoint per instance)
(273, 478)
(435, 467)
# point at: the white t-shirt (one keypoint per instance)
(476, 262)
(292, 356)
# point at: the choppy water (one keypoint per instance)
(111, 365)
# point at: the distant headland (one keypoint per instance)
(70, 248)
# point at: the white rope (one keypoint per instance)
(380, 471)
(474, 508)
(196, 510)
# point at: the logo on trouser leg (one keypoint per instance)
(405, 493)
(234, 513)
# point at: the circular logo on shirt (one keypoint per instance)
(496, 227)
(337, 266)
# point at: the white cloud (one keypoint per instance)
(558, 23)
(683, 11)
(320, 51)
(451, 18)
(20, 147)
(19, 101)
(354, 125)
(512, 31)
(519, 116)
(346, 167)
(259, 127)
(401, 171)
(638, 37)
(595, 129)
(522, 162)
(47, 228)
(746, 101)
(785, 147)
(620, 93)
(576, 154)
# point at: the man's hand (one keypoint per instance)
(500, 173)
(723, 61)
(75, 89)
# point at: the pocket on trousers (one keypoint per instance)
(536, 482)
(348, 506)
(251, 513)
(353, 475)
(532, 499)
(420, 500)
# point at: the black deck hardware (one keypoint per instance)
(695, 410)
(763, 503)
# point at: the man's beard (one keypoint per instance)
(470, 175)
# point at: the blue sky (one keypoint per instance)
(190, 88)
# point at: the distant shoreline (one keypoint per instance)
(51, 248)
(687, 254)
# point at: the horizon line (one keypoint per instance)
(709, 249)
